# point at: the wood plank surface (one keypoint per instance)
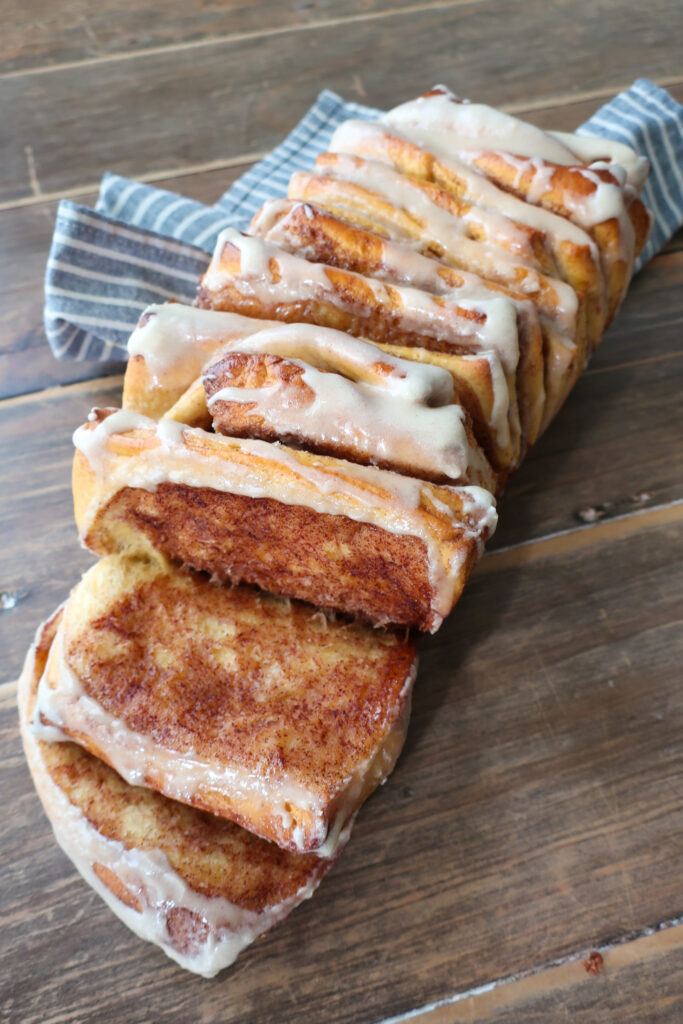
(615, 447)
(638, 982)
(72, 31)
(169, 110)
(41, 554)
(534, 813)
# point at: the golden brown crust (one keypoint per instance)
(214, 857)
(351, 303)
(529, 241)
(368, 210)
(83, 487)
(323, 237)
(336, 238)
(475, 391)
(191, 408)
(117, 887)
(243, 683)
(143, 395)
(290, 549)
(575, 263)
(641, 221)
(333, 562)
(565, 189)
(255, 371)
(371, 211)
(169, 351)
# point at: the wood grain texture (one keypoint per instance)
(534, 813)
(536, 810)
(168, 111)
(41, 553)
(639, 983)
(80, 30)
(615, 446)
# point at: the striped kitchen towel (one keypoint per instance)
(143, 244)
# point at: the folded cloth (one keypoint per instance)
(143, 244)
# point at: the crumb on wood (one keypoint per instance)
(594, 963)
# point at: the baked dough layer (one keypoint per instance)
(228, 699)
(350, 538)
(198, 886)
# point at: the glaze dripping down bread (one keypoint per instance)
(196, 885)
(443, 205)
(303, 470)
(355, 539)
(210, 713)
(173, 353)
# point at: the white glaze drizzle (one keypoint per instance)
(589, 149)
(605, 202)
(444, 229)
(437, 123)
(364, 493)
(186, 334)
(402, 263)
(383, 427)
(352, 136)
(147, 873)
(404, 416)
(300, 280)
(63, 702)
(497, 228)
(170, 334)
(477, 126)
(359, 360)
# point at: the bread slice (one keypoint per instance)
(194, 884)
(350, 538)
(168, 349)
(332, 394)
(592, 198)
(250, 276)
(323, 237)
(174, 344)
(545, 169)
(255, 708)
(432, 169)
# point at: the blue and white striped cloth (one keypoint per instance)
(142, 244)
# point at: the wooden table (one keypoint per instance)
(536, 811)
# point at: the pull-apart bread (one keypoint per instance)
(314, 388)
(303, 469)
(198, 886)
(356, 539)
(256, 278)
(229, 699)
(465, 204)
(386, 405)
